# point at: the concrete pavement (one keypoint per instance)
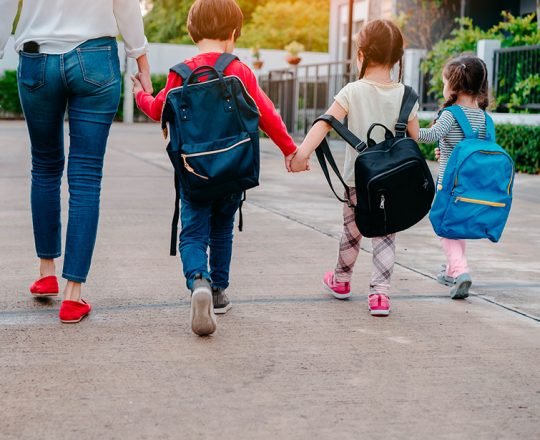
(287, 361)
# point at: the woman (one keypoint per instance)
(69, 59)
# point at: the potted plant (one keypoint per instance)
(256, 55)
(293, 49)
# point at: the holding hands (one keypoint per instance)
(299, 162)
(141, 80)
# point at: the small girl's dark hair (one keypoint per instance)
(467, 74)
(380, 42)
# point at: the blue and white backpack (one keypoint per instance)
(475, 196)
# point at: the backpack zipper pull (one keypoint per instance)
(381, 206)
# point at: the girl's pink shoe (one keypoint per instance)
(339, 290)
(72, 312)
(46, 286)
(379, 305)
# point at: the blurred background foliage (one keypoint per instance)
(271, 24)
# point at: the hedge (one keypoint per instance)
(522, 142)
(9, 95)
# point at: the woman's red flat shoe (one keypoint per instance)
(46, 286)
(72, 312)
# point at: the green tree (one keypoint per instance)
(278, 22)
(167, 21)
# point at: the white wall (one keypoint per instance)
(164, 56)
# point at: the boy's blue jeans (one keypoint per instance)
(86, 80)
(208, 225)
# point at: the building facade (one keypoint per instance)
(365, 10)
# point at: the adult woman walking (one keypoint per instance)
(69, 59)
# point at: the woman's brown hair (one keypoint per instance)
(380, 42)
(467, 74)
(215, 20)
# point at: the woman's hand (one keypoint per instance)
(144, 74)
(437, 152)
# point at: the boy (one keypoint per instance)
(214, 26)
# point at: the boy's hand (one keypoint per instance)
(288, 160)
(137, 86)
(437, 152)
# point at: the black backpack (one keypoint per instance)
(394, 185)
(214, 135)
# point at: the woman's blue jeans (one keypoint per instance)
(86, 81)
(208, 225)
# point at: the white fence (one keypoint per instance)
(164, 56)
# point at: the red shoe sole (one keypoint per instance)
(44, 295)
(75, 321)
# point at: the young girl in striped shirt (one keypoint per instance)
(465, 84)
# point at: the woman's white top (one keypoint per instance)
(61, 25)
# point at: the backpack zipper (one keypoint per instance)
(403, 165)
(207, 153)
(479, 202)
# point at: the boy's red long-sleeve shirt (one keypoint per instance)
(270, 122)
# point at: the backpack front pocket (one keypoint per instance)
(219, 161)
(470, 216)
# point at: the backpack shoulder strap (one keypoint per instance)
(224, 60)
(490, 128)
(347, 135)
(325, 157)
(410, 97)
(462, 120)
(182, 70)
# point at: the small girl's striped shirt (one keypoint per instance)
(447, 131)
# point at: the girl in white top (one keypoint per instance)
(375, 97)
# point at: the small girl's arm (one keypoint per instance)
(314, 138)
(438, 130)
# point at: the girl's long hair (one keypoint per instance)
(380, 42)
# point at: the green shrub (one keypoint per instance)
(9, 95)
(520, 141)
(511, 32)
(427, 149)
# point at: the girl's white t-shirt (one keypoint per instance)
(61, 25)
(367, 102)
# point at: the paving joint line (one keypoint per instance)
(314, 228)
(404, 266)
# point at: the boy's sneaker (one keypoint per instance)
(222, 304)
(461, 287)
(203, 320)
(444, 279)
(379, 304)
(339, 290)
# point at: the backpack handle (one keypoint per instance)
(387, 133)
(185, 113)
